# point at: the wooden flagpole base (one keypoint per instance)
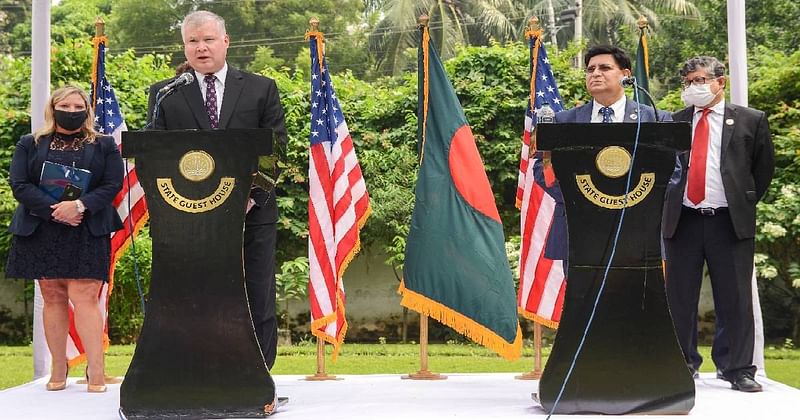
(536, 373)
(321, 375)
(423, 374)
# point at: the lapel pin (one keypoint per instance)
(729, 121)
(634, 116)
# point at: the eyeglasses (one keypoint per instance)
(602, 67)
(698, 81)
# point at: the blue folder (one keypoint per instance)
(56, 179)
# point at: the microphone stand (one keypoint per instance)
(159, 98)
(652, 101)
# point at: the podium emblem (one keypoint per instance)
(613, 161)
(196, 165)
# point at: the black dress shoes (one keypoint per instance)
(744, 382)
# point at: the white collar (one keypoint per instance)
(719, 108)
(618, 107)
(220, 75)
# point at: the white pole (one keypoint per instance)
(737, 52)
(551, 22)
(40, 91)
(579, 31)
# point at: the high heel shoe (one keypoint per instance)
(57, 386)
(93, 388)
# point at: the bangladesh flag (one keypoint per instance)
(456, 270)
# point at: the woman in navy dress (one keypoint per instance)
(65, 244)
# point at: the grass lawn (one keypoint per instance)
(16, 367)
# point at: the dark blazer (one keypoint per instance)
(583, 113)
(748, 163)
(249, 101)
(102, 158)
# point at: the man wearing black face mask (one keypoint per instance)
(710, 217)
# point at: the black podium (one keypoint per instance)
(631, 361)
(197, 355)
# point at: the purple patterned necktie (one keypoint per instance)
(211, 100)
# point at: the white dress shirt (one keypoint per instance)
(219, 85)
(618, 107)
(715, 191)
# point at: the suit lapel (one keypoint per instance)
(36, 161)
(727, 130)
(631, 110)
(88, 153)
(584, 113)
(234, 82)
(194, 99)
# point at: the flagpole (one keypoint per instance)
(536, 373)
(321, 375)
(423, 373)
(534, 30)
(99, 31)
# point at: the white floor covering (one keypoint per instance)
(461, 396)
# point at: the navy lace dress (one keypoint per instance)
(56, 250)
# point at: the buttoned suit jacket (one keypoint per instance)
(747, 165)
(583, 113)
(249, 101)
(101, 158)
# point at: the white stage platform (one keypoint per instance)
(461, 396)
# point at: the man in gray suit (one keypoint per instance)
(221, 97)
(606, 65)
(710, 218)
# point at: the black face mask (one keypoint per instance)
(70, 121)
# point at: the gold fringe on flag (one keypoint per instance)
(461, 323)
(426, 41)
(538, 319)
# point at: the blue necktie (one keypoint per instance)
(607, 114)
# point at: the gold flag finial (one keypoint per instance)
(314, 22)
(99, 27)
(642, 22)
(533, 23)
(533, 30)
(423, 21)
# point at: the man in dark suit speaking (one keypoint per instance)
(606, 65)
(223, 97)
(710, 217)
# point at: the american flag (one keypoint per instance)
(108, 121)
(338, 204)
(543, 257)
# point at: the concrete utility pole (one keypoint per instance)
(737, 52)
(579, 30)
(40, 92)
(551, 22)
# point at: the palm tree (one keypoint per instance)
(477, 22)
(605, 20)
(397, 31)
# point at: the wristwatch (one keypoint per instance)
(79, 206)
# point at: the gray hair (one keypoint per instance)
(201, 17)
(710, 64)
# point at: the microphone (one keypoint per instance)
(628, 81)
(182, 80)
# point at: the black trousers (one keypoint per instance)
(259, 274)
(711, 240)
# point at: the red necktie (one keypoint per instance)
(696, 184)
